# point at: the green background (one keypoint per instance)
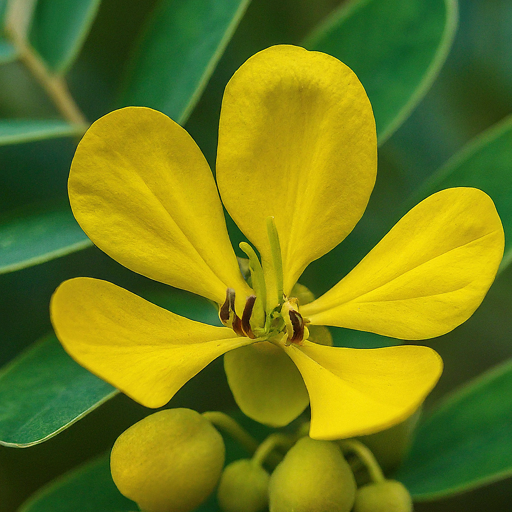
(116, 52)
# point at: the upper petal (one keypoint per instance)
(266, 385)
(356, 392)
(426, 276)
(297, 141)
(145, 351)
(143, 192)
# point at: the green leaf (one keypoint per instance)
(396, 48)
(466, 442)
(178, 53)
(43, 391)
(16, 131)
(88, 488)
(59, 28)
(484, 163)
(33, 235)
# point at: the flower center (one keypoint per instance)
(283, 323)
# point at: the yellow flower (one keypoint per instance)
(296, 165)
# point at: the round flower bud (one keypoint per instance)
(386, 496)
(169, 462)
(313, 477)
(243, 487)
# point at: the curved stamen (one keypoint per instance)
(246, 317)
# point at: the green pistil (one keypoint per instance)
(277, 260)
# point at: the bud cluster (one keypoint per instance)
(172, 461)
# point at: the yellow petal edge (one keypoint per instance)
(143, 350)
(143, 192)
(297, 142)
(426, 276)
(357, 392)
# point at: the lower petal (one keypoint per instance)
(266, 384)
(356, 392)
(143, 350)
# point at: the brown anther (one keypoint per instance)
(228, 306)
(227, 313)
(298, 326)
(246, 316)
(237, 326)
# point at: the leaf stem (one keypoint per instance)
(231, 427)
(266, 448)
(18, 20)
(365, 456)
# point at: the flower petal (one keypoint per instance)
(426, 276)
(297, 141)
(143, 192)
(361, 391)
(145, 351)
(266, 385)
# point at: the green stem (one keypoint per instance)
(18, 20)
(266, 448)
(277, 259)
(366, 457)
(231, 427)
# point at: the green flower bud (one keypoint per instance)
(243, 487)
(386, 496)
(169, 462)
(313, 477)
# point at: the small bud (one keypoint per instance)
(313, 477)
(168, 462)
(243, 487)
(386, 496)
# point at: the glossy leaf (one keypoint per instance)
(466, 442)
(395, 47)
(178, 53)
(34, 235)
(485, 163)
(16, 131)
(59, 28)
(43, 391)
(88, 488)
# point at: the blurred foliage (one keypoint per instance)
(472, 92)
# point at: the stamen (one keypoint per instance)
(227, 313)
(228, 306)
(295, 328)
(298, 327)
(246, 317)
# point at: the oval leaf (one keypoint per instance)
(178, 53)
(396, 48)
(485, 163)
(43, 391)
(59, 28)
(88, 488)
(466, 442)
(16, 131)
(34, 235)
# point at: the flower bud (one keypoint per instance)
(243, 487)
(169, 462)
(313, 477)
(386, 496)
